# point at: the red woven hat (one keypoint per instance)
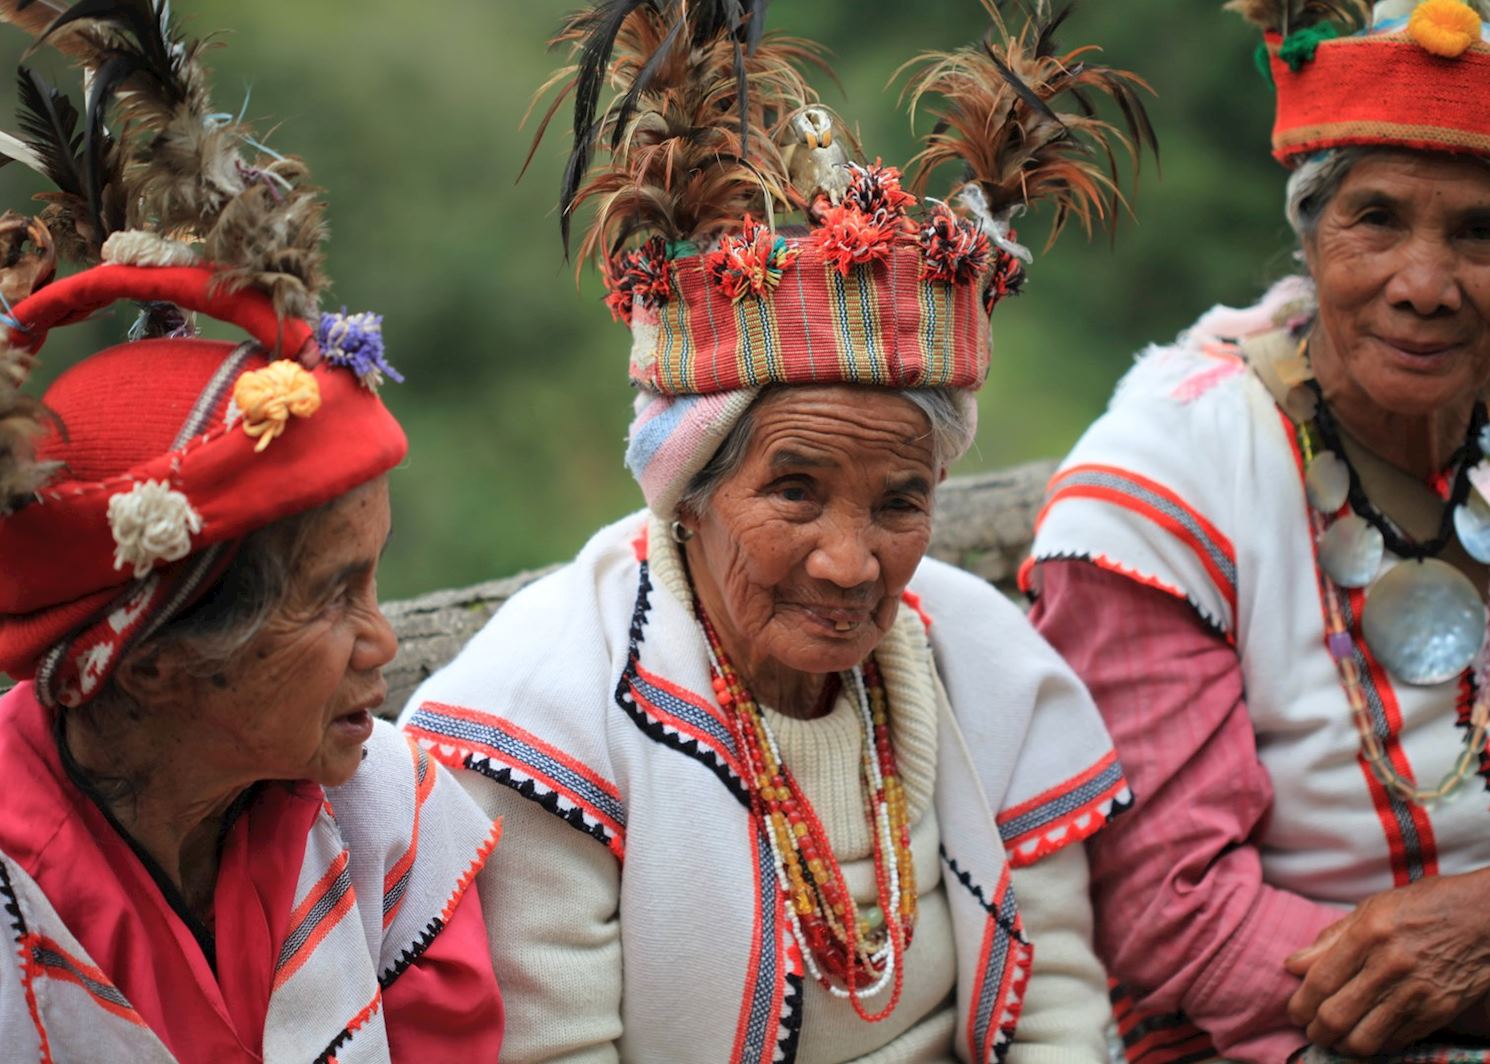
(126, 489)
(1415, 76)
(714, 133)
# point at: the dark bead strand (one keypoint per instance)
(1397, 542)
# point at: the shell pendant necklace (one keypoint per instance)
(1423, 619)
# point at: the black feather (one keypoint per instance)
(1045, 38)
(96, 139)
(147, 38)
(49, 126)
(644, 81)
(601, 25)
(742, 21)
(1023, 91)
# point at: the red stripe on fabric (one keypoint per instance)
(28, 982)
(684, 695)
(742, 1025)
(1050, 795)
(319, 889)
(1058, 491)
(1392, 709)
(1018, 957)
(63, 973)
(1156, 488)
(366, 1013)
(900, 353)
(990, 930)
(436, 740)
(1380, 800)
(1162, 1047)
(502, 724)
(422, 791)
(323, 928)
(1071, 830)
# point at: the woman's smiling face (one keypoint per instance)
(1401, 262)
(802, 554)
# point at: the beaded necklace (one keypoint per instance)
(842, 950)
(1460, 461)
(1342, 648)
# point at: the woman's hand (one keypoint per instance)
(1407, 962)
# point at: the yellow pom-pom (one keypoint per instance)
(267, 398)
(1444, 27)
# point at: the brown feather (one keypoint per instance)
(1003, 121)
(678, 157)
(1286, 16)
(177, 169)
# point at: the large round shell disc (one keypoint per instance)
(1472, 525)
(1424, 621)
(1350, 551)
(1327, 482)
(1301, 403)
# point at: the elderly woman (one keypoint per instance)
(209, 849)
(1267, 560)
(773, 772)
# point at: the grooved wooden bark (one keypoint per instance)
(983, 524)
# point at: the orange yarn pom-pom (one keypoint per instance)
(1444, 27)
(268, 397)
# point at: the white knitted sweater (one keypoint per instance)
(630, 913)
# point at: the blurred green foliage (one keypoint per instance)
(516, 401)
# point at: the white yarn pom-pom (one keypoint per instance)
(151, 523)
(136, 247)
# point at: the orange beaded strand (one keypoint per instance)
(839, 944)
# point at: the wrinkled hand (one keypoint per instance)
(1404, 964)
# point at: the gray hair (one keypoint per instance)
(951, 413)
(1313, 185)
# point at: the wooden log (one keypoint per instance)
(984, 524)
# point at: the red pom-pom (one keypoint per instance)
(751, 263)
(956, 250)
(876, 189)
(640, 277)
(848, 237)
(1007, 279)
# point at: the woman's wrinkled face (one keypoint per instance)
(297, 701)
(1401, 260)
(803, 553)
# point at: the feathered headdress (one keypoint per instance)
(151, 155)
(711, 137)
(165, 464)
(1400, 74)
(146, 173)
(690, 133)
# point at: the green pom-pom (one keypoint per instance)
(1264, 63)
(1300, 45)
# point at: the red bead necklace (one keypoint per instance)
(845, 955)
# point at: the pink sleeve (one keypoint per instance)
(1183, 915)
(446, 1005)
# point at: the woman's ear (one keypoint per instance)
(942, 476)
(154, 675)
